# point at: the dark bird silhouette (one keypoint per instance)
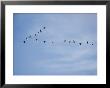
(24, 41)
(79, 43)
(92, 43)
(69, 41)
(73, 41)
(26, 38)
(64, 40)
(44, 41)
(36, 39)
(87, 42)
(30, 36)
(40, 30)
(35, 34)
(44, 27)
(52, 42)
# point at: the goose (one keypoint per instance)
(69, 41)
(73, 41)
(30, 36)
(26, 38)
(44, 41)
(79, 43)
(52, 42)
(24, 41)
(36, 39)
(64, 40)
(40, 30)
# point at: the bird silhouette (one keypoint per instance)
(64, 40)
(44, 41)
(80, 43)
(26, 38)
(92, 43)
(52, 42)
(30, 36)
(44, 27)
(73, 41)
(24, 41)
(36, 39)
(69, 41)
(40, 30)
(35, 34)
(87, 42)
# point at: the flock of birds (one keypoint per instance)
(44, 41)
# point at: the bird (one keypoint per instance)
(36, 39)
(26, 38)
(44, 41)
(87, 42)
(69, 41)
(73, 41)
(79, 43)
(92, 43)
(40, 30)
(35, 34)
(30, 36)
(44, 27)
(64, 40)
(24, 41)
(52, 42)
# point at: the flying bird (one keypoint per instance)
(30, 36)
(36, 39)
(73, 41)
(44, 27)
(87, 42)
(64, 40)
(26, 38)
(52, 42)
(35, 34)
(69, 41)
(40, 30)
(79, 43)
(44, 41)
(24, 41)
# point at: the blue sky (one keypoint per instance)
(58, 58)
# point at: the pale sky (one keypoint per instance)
(58, 58)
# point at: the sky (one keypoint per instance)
(57, 58)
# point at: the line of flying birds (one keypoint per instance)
(44, 41)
